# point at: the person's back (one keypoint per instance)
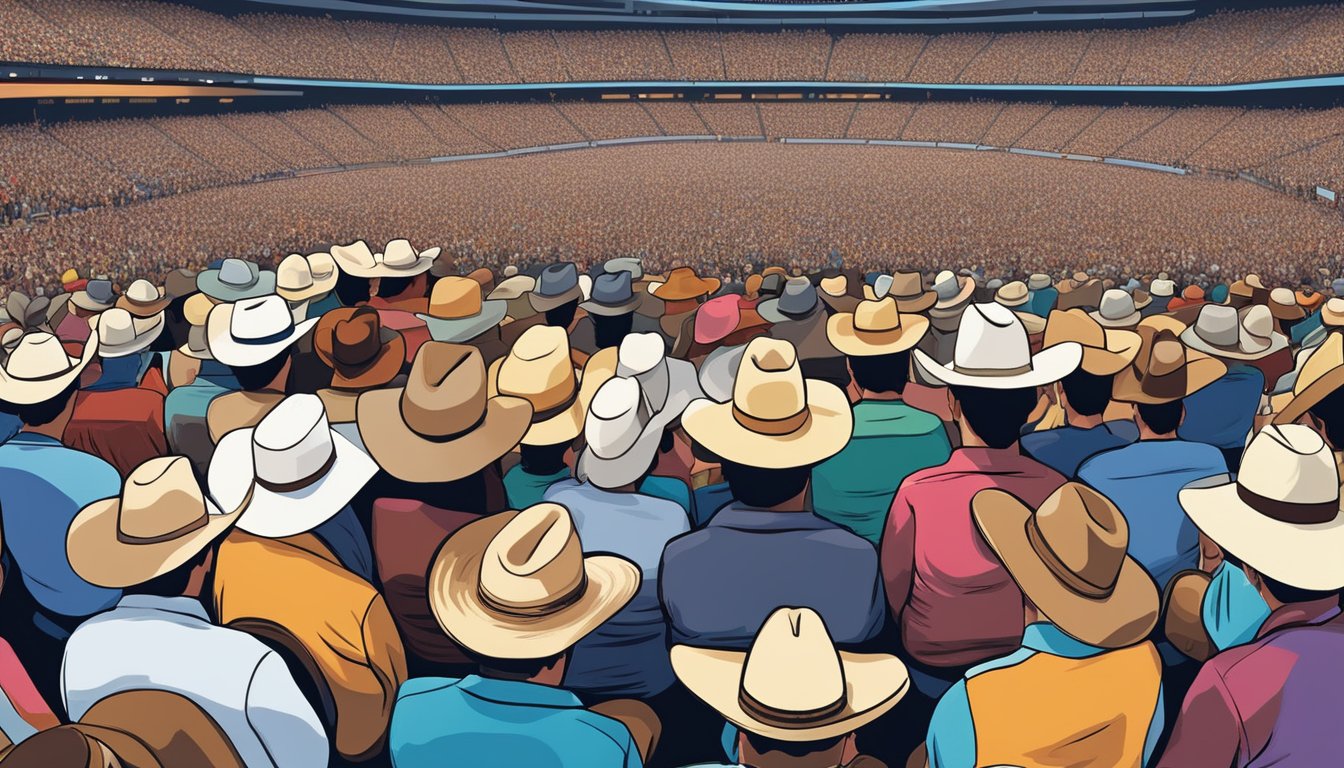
(1223, 413)
(1066, 448)
(472, 721)
(122, 426)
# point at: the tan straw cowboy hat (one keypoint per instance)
(160, 521)
(793, 685)
(1068, 557)
(539, 369)
(517, 585)
(875, 328)
(39, 369)
(1105, 351)
(457, 313)
(1321, 374)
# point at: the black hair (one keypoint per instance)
(796, 749)
(563, 315)
(45, 412)
(513, 669)
(543, 459)
(1286, 326)
(1284, 593)
(391, 287)
(1162, 418)
(173, 583)
(1330, 411)
(350, 289)
(252, 378)
(764, 488)
(881, 373)
(175, 328)
(996, 415)
(608, 330)
(1088, 393)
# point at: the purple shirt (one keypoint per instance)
(1274, 701)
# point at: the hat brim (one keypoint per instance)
(1200, 372)
(611, 310)
(209, 284)
(704, 286)
(381, 269)
(1310, 395)
(718, 372)
(273, 515)
(221, 344)
(1193, 340)
(616, 471)
(318, 288)
(1303, 556)
(825, 433)
(842, 303)
(143, 310)
(99, 557)
(1047, 366)
(1128, 321)
(770, 312)
(33, 391)
(568, 424)
(408, 456)
(847, 339)
(512, 288)
(459, 329)
(1120, 350)
(1123, 618)
(953, 305)
(81, 299)
(1012, 303)
(454, 598)
(874, 683)
(140, 343)
(543, 303)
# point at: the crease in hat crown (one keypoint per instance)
(534, 565)
(792, 639)
(160, 501)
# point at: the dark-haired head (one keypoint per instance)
(765, 488)
(563, 315)
(45, 412)
(1162, 418)
(1088, 393)
(881, 373)
(996, 416)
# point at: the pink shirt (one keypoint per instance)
(27, 711)
(956, 604)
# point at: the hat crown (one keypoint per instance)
(1074, 325)
(320, 265)
(991, 339)
(1292, 464)
(539, 369)
(100, 291)
(445, 395)
(39, 355)
(534, 565)
(1218, 325)
(615, 419)
(357, 253)
(799, 296)
(357, 339)
(294, 273)
(1015, 291)
(901, 285)
(877, 316)
(1082, 538)
(946, 285)
(640, 353)
(793, 673)
(1258, 322)
(399, 254)
(260, 320)
(161, 500)
(142, 292)
(1282, 296)
(612, 288)
(293, 444)
(1166, 355)
(454, 298)
(116, 327)
(557, 279)
(769, 385)
(1116, 304)
(237, 273)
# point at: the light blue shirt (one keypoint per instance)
(1066, 448)
(43, 486)
(627, 655)
(477, 721)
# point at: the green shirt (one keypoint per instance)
(525, 489)
(855, 487)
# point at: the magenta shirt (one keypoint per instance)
(956, 604)
(1272, 702)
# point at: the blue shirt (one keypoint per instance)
(1065, 449)
(720, 583)
(627, 655)
(324, 305)
(709, 500)
(672, 489)
(345, 537)
(43, 485)
(524, 489)
(1223, 413)
(1042, 301)
(9, 427)
(477, 721)
(1304, 328)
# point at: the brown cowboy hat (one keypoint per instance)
(683, 284)
(1164, 370)
(441, 426)
(1105, 350)
(360, 352)
(1068, 557)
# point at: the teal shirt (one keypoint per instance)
(443, 721)
(891, 440)
(525, 489)
(669, 488)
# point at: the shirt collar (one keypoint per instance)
(1294, 614)
(34, 438)
(187, 606)
(1045, 637)
(740, 516)
(519, 692)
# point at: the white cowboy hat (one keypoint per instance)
(300, 278)
(665, 383)
(993, 352)
(1222, 331)
(39, 369)
(290, 473)
(121, 334)
(793, 684)
(513, 288)
(953, 292)
(1282, 515)
(718, 372)
(1117, 310)
(622, 434)
(252, 331)
(399, 259)
(1162, 287)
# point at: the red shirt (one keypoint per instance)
(956, 604)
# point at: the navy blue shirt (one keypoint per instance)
(1065, 449)
(1223, 413)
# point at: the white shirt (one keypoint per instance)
(169, 644)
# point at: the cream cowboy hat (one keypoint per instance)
(399, 259)
(953, 293)
(121, 334)
(142, 299)
(512, 288)
(1322, 373)
(517, 585)
(1106, 351)
(1012, 295)
(38, 368)
(290, 473)
(793, 685)
(621, 434)
(539, 369)
(993, 352)
(1223, 331)
(1068, 557)
(665, 383)
(875, 328)
(1282, 515)
(301, 278)
(776, 419)
(1117, 310)
(160, 521)
(252, 331)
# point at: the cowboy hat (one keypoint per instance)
(360, 352)
(663, 380)
(993, 352)
(875, 328)
(793, 684)
(1332, 313)
(39, 369)
(1183, 614)
(441, 426)
(121, 334)
(953, 293)
(96, 296)
(1164, 370)
(456, 312)
(142, 299)
(1322, 373)
(683, 284)
(160, 521)
(1283, 305)
(290, 473)
(1163, 288)
(612, 295)
(398, 260)
(1068, 557)
(622, 434)
(718, 372)
(799, 300)
(1117, 310)
(1105, 350)
(539, 369)
(252, 331)
(236, 280)
(722, 316)
(1038, 282)
(300, 278)
(179, 283)
(559, 284)
(776, 419)
(1224, 332)
(632, 265)
(1282, 514)
(512, 287)
(517, 585)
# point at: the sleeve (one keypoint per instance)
(1207, 731)
(951, 741)
(898, 552)
(384, 651)
(282, 718)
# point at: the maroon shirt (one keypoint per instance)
(956, 604)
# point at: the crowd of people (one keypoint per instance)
(383, 505)
(1223, 47)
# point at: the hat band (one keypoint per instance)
(262, 341)
(773, 427)
(194, 525)
(556, 410)
(992, 372)
(1287, 511)
(1057, 567)
(532, 611)
(303, 482)
(787, 718)
(1169, 386)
